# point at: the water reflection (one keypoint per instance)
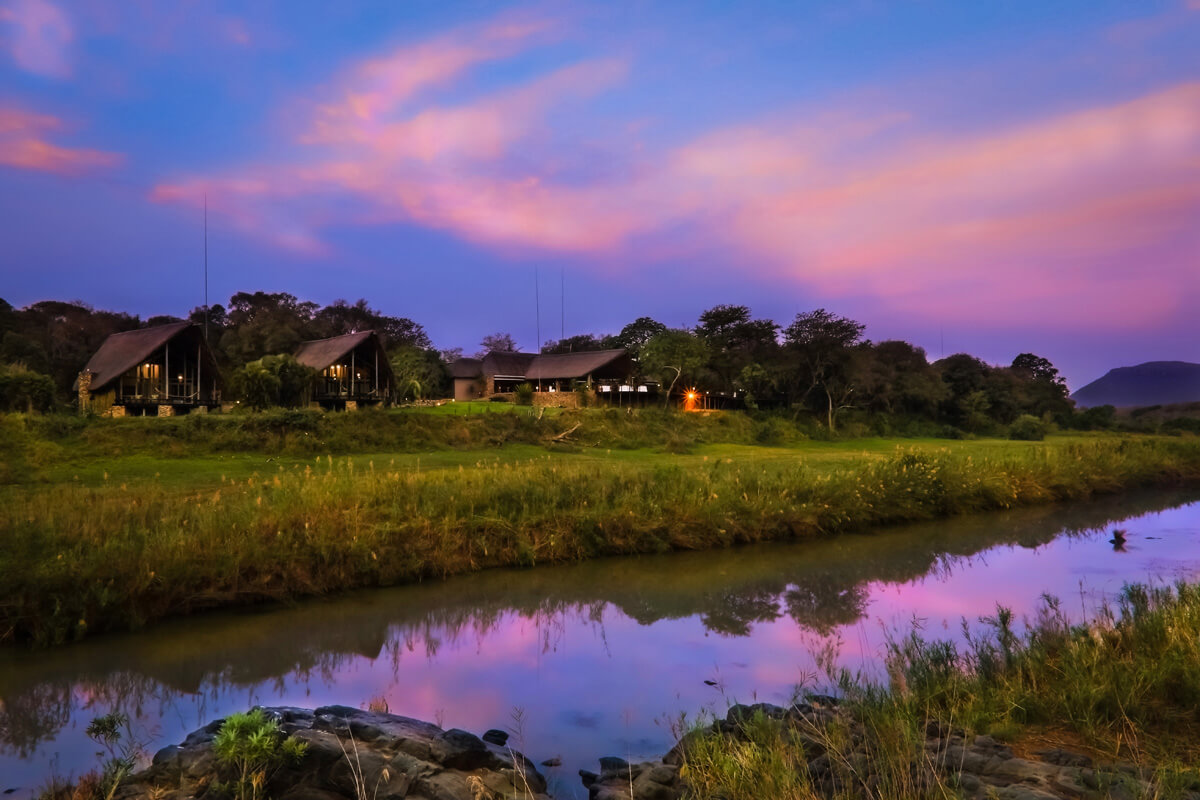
(597, 649)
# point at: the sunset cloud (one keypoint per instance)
(851, 199)
(23, 145)
(38, 36)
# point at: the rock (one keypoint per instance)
(1064, 758)
(496, 737)
(458, 749)
(611, 764)
(587, 777)
(166, 755)
(345, 748)
(740, 714)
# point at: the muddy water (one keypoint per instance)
(594, 659)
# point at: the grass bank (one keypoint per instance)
(1121, 688)
(87, 557)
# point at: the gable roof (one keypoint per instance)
(466, 368)
(552, 366)
(512, 365)
(545, 366)
(122, 352)
(320, 353)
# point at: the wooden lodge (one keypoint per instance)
(353, 371)
(547, 373)
(160, 371)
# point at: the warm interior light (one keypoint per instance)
(691, 395)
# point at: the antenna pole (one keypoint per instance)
(562, 302)
(537, 303)
(206, 267)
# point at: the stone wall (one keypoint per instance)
(115, 411)
(556, 399)
(352, 405)
(166, 411)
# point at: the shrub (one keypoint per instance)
(584, 396)
(523, 395)
(23, 389)
(255, 747)
(1027, 428)
(774, 431)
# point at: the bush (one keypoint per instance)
(254, 747)
(1027, 428)
(523, 395)
(23, 389)
(774, 431)
(584, 396)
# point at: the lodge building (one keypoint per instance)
(602, 371)
(160, 371)
(352, 371)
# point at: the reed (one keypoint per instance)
(80, 559)
(1123, 686)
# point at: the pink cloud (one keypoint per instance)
(384, 85)
(22, 145)
(1030, 212)
(851, 201)
(39, 38)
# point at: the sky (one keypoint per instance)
(993, 178)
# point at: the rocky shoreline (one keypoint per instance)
(348, 750)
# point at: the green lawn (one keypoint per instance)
(199, 471)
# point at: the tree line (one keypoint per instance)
(819, 365)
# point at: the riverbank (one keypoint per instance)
(1108, 708)
(87, 558)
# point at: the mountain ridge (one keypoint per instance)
(1148, 384)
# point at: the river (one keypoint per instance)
(592, 659)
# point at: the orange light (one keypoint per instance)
(691, 395)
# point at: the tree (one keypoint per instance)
(264, 323)
(257, 385)
(735, 340)
(966, 403)
(673, 354)
(900, 380)
(23, 389)
(340, 317)
(1043, 390)
(821, 344)
(634, 335)
(278, 380)
(580, 343)
(500, 342)
(419, 373)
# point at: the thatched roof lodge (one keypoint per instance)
(163, 371)
(353, 370)
(500, 372)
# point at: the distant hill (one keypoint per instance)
(1150, 384)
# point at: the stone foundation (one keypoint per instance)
(558, 399)
(352, 405)
(115, 411)
(166, 411)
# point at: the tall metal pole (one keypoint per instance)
(206, 267)
(562, 303)
(537, 302)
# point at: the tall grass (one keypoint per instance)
(1124, 686)
(80, 559)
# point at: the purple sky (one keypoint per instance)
(987, 177)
